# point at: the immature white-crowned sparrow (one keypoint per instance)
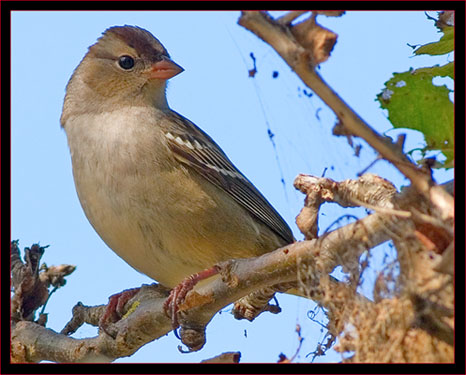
(156, 188)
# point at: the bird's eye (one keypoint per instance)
(126, 62)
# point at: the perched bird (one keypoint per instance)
(156, 188)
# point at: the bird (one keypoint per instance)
(156, 188)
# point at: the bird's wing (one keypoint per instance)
(197, 150)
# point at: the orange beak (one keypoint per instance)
(164, 69)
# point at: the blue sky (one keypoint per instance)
(216, 93)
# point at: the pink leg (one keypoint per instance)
(178, 293)
(114, 310)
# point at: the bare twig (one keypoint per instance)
(368, 190)
(229, 357)
(289, 17)
(29, 291)
(83, 314)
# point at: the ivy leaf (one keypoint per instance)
(445, 45)
(413, 102)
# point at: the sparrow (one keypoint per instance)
(156, 188)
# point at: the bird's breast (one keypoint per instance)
(146, 206)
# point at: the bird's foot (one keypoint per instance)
(178, 293)
(115, 308)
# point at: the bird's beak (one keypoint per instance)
(164, 69)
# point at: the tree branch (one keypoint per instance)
(239, 278)
(301, 60)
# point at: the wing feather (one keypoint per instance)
(197, 150)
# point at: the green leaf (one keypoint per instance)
(447, 70)
(445, 45)
(413, 102)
